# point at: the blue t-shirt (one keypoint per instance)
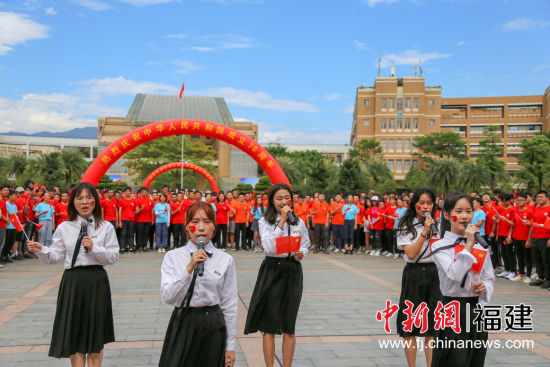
(350, 211)
(164, 209)
(259, 212)
(401, 212)
(45, 207)
(480, 215)
(12, 208)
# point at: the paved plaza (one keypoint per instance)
(336, 325)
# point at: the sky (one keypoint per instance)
(292, 66)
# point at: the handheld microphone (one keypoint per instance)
(432, 226)
(290, 215)
(479, 239)
(84, 232)
(201, 242)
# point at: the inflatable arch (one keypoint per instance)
(185, 165)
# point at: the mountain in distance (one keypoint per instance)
(77, 133)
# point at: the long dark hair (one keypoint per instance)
(406, 224)
(449, 204)
(71, 210)
(271, 212)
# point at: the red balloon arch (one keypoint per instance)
(160, 129)
(184, 165)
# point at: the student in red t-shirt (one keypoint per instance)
(504, 220)
(539, 240)
(241, 223)
(177, 217)
(143, 219)
(320, 212)
(62, 208)
(4, 218)
(520, 233)
(223, 209)
(109, 208)
(126, 213)
(390, 244)
(376, 217)
(337, 221)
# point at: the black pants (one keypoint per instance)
(540, 257)
(388, 239)
(320, 233)
(359, 237)
(142, 234)
(11, 237)
(507, 254)
(495, 251)
(221, 236)
(240, 236)
(152, 237)
(523, 256)
(127, 234)
(376, 238)
(113, 223)
(338, 231)
(179, 234)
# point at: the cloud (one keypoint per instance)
(154, 63)
(93, 5)
(373, 3)
(185, 67)
(461, 43)
(145, 2)
(299, 136)
(410, 57)
(359, 45)
(524, 24)
(50, 11)
(332, 97)
(96, 88)
(203, 49)
(16, 28)
(261, 100)
(541, 68)
(221, 42)
(176, 36)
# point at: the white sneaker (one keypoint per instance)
(371, 253)
(517, 278)
(511, 275)
(223, 249)
(336, 250)
(534, 276)
(367, 252)
(384, 253)
(526, 280)
(396, 256)
(503, 274)
(389, 254)
(377, 253)
(159, 251)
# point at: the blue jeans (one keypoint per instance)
(349, 225)
(45, 233)
(338, 231)
(162, 235)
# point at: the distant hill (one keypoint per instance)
(79, 133)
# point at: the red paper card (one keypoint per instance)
(288, 244)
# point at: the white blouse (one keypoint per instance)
(270, 232)
(407, 239)
(451, 271)
(105, 250)
(217, 286)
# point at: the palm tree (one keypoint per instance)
(74, 166)
(379, 172)
(473, 177)
(18, 164)
(443, 173)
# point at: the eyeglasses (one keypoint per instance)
(84, 198)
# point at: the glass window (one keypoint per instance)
(432, 122)
(399, 103)
(512, 128)
(415, 149)
(415, 103)
(392, 124)
(432, 102)
(365, 102)
(399, 124)
(390, 145)
(415, 124)
(407, 145)
(415, 163)
(399, 145)
(383, 144)
(390, 164)
(407, 124)
(392, 103)
(407, 103)
(383, 124)
(365, 122)
(384, 103)
(398, 165)
(407, 165)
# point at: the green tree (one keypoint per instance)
(415, 179)
(380, 176)
(442, 174)
(48, 168)
(18, 164)
(74, 166)
(241, 187)
(492, 150)
(350, 177)
(277, 150)
(473, 177)
(366, 150)
(106, 183)
(535, 161)
(263, 184)
(440, 145)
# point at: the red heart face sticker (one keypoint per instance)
(289, 202)
(454, 218)
(92, 202)
(192, 228)
(418, 207)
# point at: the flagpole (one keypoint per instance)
(181, 170)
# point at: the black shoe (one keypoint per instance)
(8, 260)
(351, 252)
(146, 250)
(536, 283)
(346, 252)
(325, 251)
(545, 284)
(315, 251)
(27, 256)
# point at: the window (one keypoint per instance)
(407, 124)
(407, 103)
(384, 103)
(432, 102)
(415, 149)
(407, 145)
(398, 167)
(383, 124)
(399, 103)
(383, 144)
(365, 102)
(512, 128)
(399, 124)
(392, 103)
(415, 103)
(399, 145)
(415, 163)
(415, 124)
(392, 124)
(339, 158)
(390, 145)
(407, 165)
(390, 164)
(432, 122)
(365, 122)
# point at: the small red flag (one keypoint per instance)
(15, 221)
(38, 226)
(182, 88)
(288, 244)
(480, 256)
(35, 187)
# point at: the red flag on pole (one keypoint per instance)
(182, 88)
(38, 226)
(35, 187)
(15, 221)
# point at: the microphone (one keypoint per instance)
(290, 215)
(84, 232)
(432, 226)
(201, 242)
(479, 239)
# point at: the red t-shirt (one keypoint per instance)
(20, 203)
(4, 211)
(179, 217)
(222, 212)
(376, 213)
(109, 209)
(301, 211)
(489, 218)
(30, 212)
(539, 216)
(503, 226)
(338, 217)
(321, 216)
(359, 218)
(128, 209)
(144, 216)
(390, 223)
(62, 209)
(241, 209)
(521, 231)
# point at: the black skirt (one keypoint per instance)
(448, 356)
(276, 298)
(420, 283)
(196, 336)
(84, 315)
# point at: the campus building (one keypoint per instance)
(232, 163)
(395, 111)
(33, 146)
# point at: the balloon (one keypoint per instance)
(178, 165)
(159, 129)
